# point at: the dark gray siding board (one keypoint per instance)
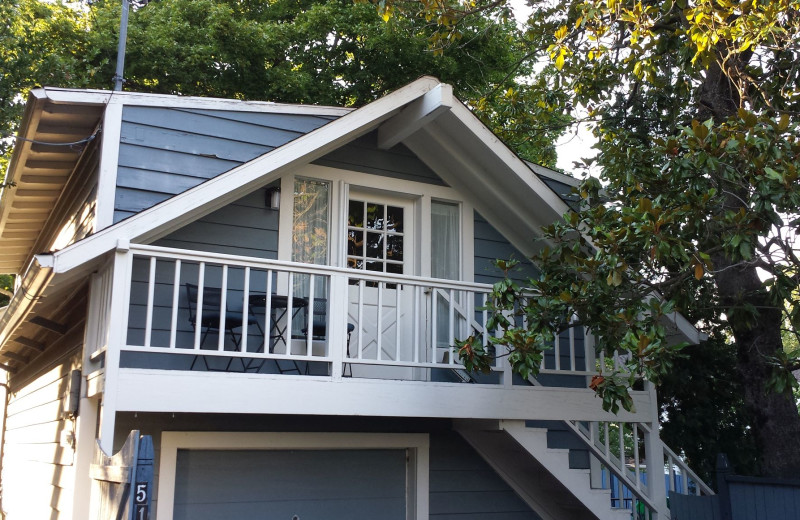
(165, 151)
(363, 155)
(222, 125)
(244, 227)
(564, 191)
(295, 122)
(490, 245)
(171, 161)
(464, 487)
(330, 484)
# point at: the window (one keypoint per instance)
(310, 222)
(375, 236)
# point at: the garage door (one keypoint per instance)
(289, 484)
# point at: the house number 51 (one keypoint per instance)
(141, 502)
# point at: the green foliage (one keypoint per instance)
(295, 51)
(695, 108)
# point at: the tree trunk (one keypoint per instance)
(776, 422)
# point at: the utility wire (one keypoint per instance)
(45, 143)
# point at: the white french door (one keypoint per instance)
(380, 233)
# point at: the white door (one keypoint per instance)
(379, 240)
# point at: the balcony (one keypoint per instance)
(184, 330)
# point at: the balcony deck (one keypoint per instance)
(192, 329)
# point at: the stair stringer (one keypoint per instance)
(539, 475)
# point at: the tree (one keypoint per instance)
(695, 105)
(331, 52)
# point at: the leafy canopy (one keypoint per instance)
(695, 107)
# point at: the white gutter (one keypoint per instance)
(34, 281)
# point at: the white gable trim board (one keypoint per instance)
(223, 189)
(417, 466)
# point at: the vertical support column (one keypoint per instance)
(86, 422)
(117, 336)
(654, 451)
(337, 324)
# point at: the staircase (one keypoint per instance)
(547, 467)
(563, 469)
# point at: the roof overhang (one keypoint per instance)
(51, 140)
(56, 128)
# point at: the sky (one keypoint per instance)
(572, 146)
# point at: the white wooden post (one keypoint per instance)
(86, 422)
(337, 324)
(654, 451)
(117, 336)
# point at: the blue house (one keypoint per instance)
(272, 292)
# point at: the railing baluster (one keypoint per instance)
(176, 287)
(397, 322)
(415, 321)
(223, 308)
(361, 284)
(379, 322)
(288, 316)
(245, 310)
(671, 473)
(151, 288)
(198, 314)
(621, 428)
(434, 324)
(451, 325)
(635, 429)
(267, 340)
(572, 365)
(310, 315)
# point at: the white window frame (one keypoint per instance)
(416, 444)
(342, 181)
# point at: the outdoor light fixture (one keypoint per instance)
(273, 198)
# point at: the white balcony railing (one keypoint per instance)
(190, 310)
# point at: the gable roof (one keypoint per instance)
(424, 115)
(58, 128)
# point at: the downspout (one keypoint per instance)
(35, 279)
(3, 444)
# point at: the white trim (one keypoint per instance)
(109, 161)
(237, 182)
(152, 390)
(544, 171)
(415, 116)
(171, 442)
(468, 241)
(101, 97)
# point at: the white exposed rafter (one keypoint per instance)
(415, 116)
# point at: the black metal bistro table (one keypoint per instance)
(279, 330)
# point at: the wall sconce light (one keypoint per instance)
(273, 198)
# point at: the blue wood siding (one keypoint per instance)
(763, 499)
(329, 484)
(363, 155)
(464, 487)
(490, 245)
(165, 151)
(245, 227)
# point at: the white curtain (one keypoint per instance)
(310, 231)
(445, 262)
(445, 240)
